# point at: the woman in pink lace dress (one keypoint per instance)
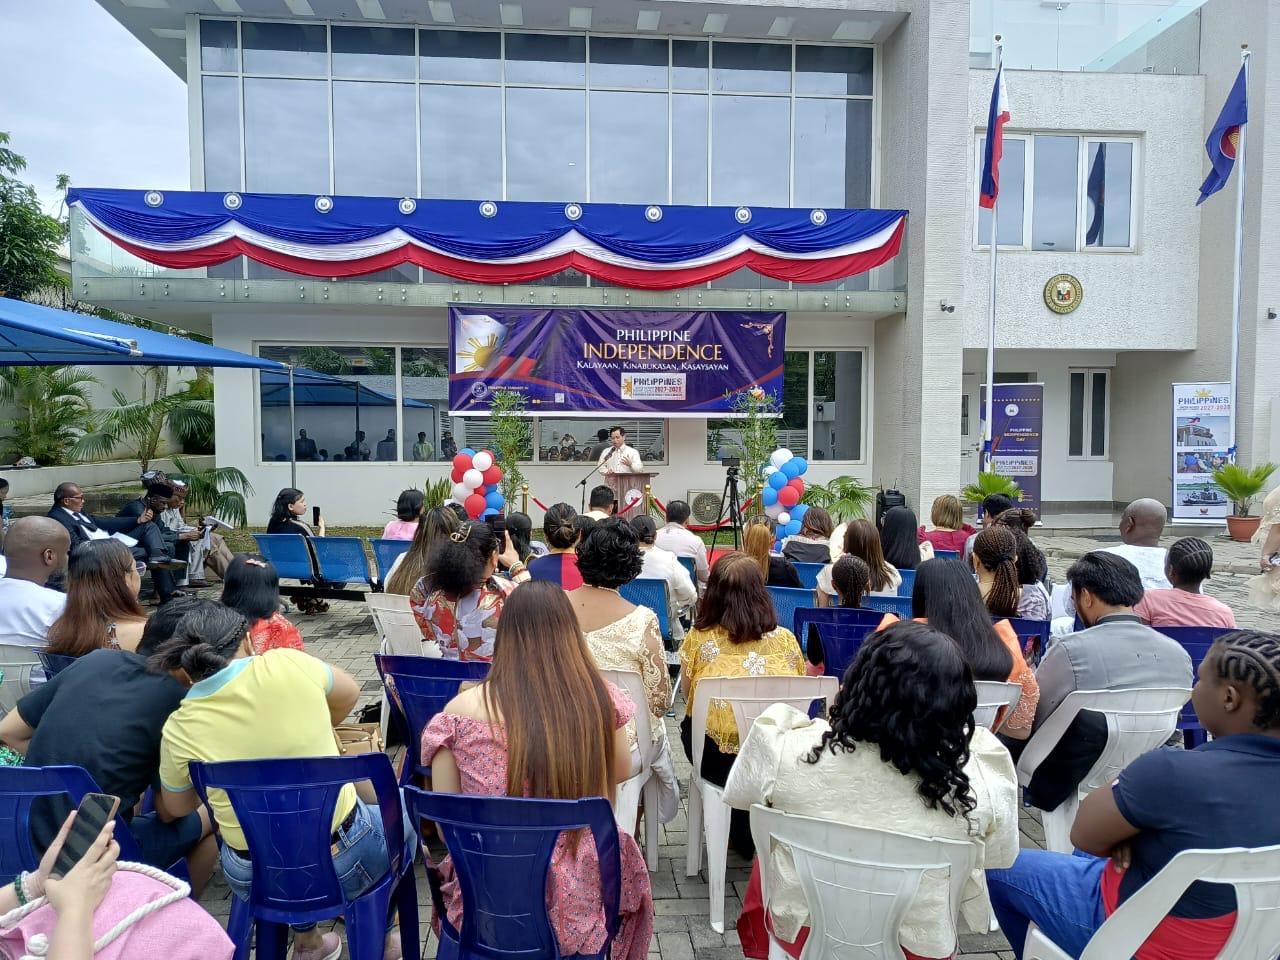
(544, 724)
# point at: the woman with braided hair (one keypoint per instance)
(1219, 795)
(1188, 565)
(995, 560)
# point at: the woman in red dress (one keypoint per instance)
(252, 588)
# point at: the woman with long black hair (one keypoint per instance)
(899, 753)
(900, 542)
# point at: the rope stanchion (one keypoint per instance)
(541, 506)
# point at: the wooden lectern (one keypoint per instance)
(627, 487)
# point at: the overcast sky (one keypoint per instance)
(82, 96)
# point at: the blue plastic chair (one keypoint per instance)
(652, 593)
(385, 553)
(285, 807)
(54, 663)
(417, 689)
(341, 559)
(691, 567)
(840, 643)
(947, 554)
(897, 605)
(288, 553)
(786, 601)
(1033, 635)
(809, 574)
(908, 582)
(501, 851)
(1196, 641)
(806, 617)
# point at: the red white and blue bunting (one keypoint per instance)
(654, 247)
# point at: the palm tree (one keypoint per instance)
(142, 423)
(219, 491)
(52, 412)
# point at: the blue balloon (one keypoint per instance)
(777, 546)
(798, 511)
(488, 513)
(768, 496)
(467, 451)
(494, 500)
(778, 480)
(792, 528)
(791, 468)
(802, 466)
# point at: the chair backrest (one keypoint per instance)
(908, 582)
(54, 663)
(501, 851)
(288, 553)
(1138, 720)
(341, 559)
(845, 616)
(808, 574)
(994, 695)
(840, 643)
(632, 684)
(749, 697)
(947, 554)
(652, 593)
(691, 567)
(16, 665)
(285, 807)
(1033, 635)
(896, 605)
(1255, 874)
(1196, 641)
(396, 626)
(418, 688)
(786, 601)
(385, 553)
(858, 883)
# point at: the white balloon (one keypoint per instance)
(769, 470)
(472, 479)
(482, 461)
(772, 512)
(780, 457)
(460, 492)
(784, 518)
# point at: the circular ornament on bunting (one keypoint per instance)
(153, 198)
(324, 204)
(572, 211)
(232, 201)
(653, 214)
(488, 209)
(817, 217)
(408, 205)
(742, 214)
(1063, 293)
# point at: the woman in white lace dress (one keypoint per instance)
(1264, 589)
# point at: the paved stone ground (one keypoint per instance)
(682, 931)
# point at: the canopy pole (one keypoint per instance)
(293, 446)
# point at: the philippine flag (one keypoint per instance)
(997, 117)
(1224, 139)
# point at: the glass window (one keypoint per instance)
(292, 112)
(689, 64)
(221, 104)
(218, 46)
(429, 432)
(295, 49)
(628, 62)
(750, 150)
(837, 405)
(1075, 424)
(373, 139)
(1053, 206)
(1012, 193)
(833, 153)
(689, 149)
(1098, 414)
(583, 439)
(1108, 194)
(628, 147)
(546, 144)
(383, 52)
(723, 436)
(834, 70)
(461, 122)
(460, 55)
(546, 58)
(1087, 399)
(751, 67)
(348, 415)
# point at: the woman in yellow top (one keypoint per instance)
(736, 635)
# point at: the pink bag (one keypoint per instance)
(146, 913)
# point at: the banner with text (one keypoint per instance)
(1017, 437)
(1203, 428)
(686, 363)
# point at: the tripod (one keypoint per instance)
(730, 499)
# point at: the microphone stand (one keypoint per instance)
(583, 482)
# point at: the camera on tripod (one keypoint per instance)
(731, 465)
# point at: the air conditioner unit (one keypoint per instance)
(705, 505)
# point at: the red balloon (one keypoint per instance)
(788, 496)
(493, 475)
(456, 476)
(461, 463)
(796, 484)
(474, 506)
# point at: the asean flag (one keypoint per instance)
(1224, 139)
(997, 117)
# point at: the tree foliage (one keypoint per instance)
(29, 237)
(512, 435)
(52, 411)
(219, 491)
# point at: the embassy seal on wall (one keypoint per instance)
(1063, 293)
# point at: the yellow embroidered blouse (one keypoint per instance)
(710, 653)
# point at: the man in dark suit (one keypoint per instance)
(304, 448)
(68, 506)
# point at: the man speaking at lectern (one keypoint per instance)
(618, 457)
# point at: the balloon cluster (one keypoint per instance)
(475, 484)
(783, 489)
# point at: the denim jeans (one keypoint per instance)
(1060, 893)
(360, 860)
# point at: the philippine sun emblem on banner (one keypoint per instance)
(1203, 440)
(672, 363)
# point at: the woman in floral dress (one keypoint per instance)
(545, 724)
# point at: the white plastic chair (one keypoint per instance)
(1138, 720)
(1255, 874)
(17, 663)
(858, 883)
(708, 813)
(993, 695)
(641, 780)
(398, 634)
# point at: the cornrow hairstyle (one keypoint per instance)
(997, 548)
(1032, 567)
(850, 576)
(1190, 561)
(1252, 657)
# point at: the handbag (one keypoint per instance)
(357, 738)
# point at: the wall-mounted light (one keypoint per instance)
(1271, 313)
(946, 306)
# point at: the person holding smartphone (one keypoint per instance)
(287, 516)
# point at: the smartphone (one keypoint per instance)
(96, 810)
(615, 506)
(315, 516)
(499, 524)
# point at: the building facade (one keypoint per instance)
(809, 105)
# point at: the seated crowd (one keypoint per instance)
(897, 750)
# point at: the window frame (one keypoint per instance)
(1083, 140)
(1086, 414)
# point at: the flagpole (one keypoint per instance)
(988, 464)
(1239, 251)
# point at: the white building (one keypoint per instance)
(811, 103)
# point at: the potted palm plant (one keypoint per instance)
(1241, 486)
